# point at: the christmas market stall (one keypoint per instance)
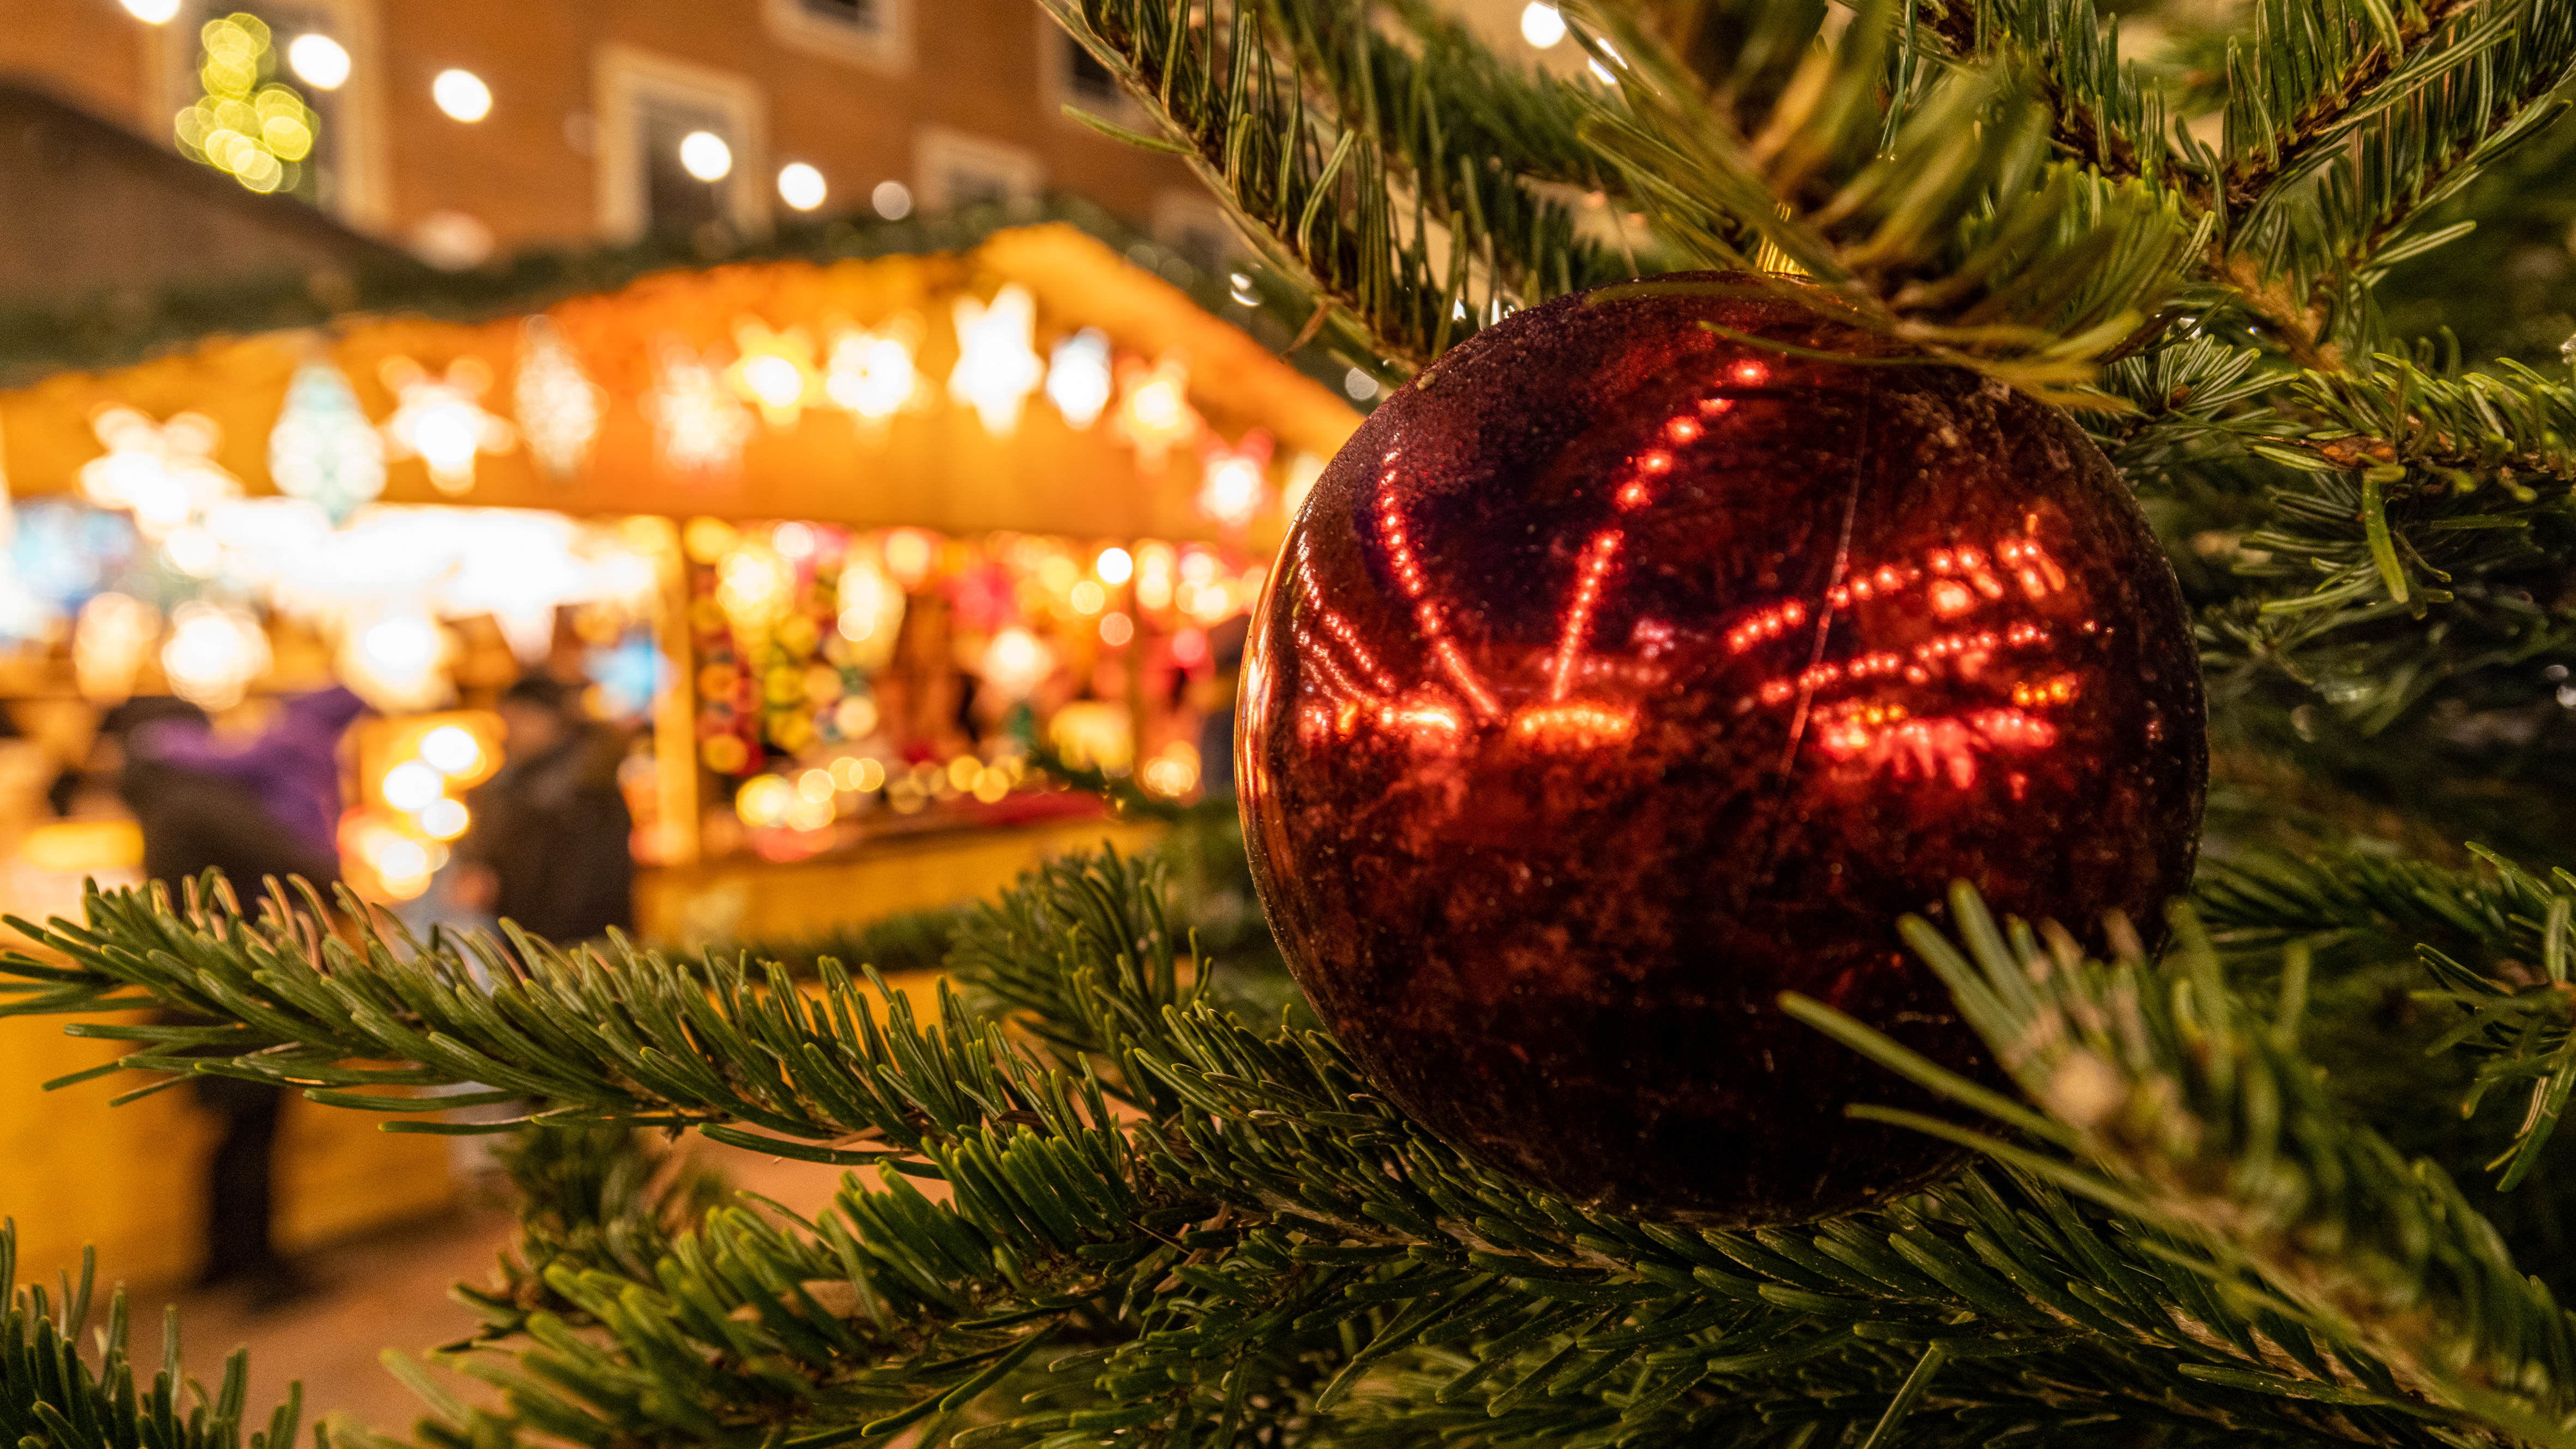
(838, 546)
(845, 543)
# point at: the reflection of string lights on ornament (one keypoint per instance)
(108, 639)
(163, 473)
(997, 367)
(1016, 663)
(559, 406)
(871, 374)
(213, 653)
(774, 371)
(1232, 481)
(322, 448)
(1154, 414)
(439, 421)
(698, 426)
(1078, 377)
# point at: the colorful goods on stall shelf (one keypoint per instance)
(841, 672)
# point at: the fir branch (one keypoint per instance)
(51, 1396)
(1261, 1248)
(2172, 1103)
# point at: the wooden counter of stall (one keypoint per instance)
(130, 1180)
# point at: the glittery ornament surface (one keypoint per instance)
(1618, 677)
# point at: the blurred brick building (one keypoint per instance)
(892, 104)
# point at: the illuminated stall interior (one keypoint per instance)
(839, 543)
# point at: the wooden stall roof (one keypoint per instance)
(937, 468)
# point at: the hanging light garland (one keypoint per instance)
(1079, 380)
(439, 420)
(997, 365)
(1154, 414)
(1234, 482)
(162, 473)
(774, 371)
(559, 406)
(699, 427)
(323, 449)
(872, 375)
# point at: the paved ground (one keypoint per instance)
(389, 1290)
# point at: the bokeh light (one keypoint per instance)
(318, 61)
(462, 95)
(704, 155)
(801, 186)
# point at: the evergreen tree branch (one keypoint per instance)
(51, 1397)
(1258, 1250)
(2173, 1104)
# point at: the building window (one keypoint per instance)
(342, 171)
(1074, 78)
(873, 33)
(957, 169)
(652, 176)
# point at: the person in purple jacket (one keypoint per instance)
(267, 807)
(293, 767)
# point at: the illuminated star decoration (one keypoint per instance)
(1078, 380)
(997, 368)
(774, 371)
(559, 406)
(323, 450)
(1154, 414)
(872, 376)
(1234, 482)
(439, 421)
(162, 473)
(698, 426)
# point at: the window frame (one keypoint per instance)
(625, 82)
(1022, 169)
(888, 51)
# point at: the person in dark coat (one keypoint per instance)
(193, 819)
(547, 843)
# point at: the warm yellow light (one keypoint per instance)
(452, 750)
(1116, 630)
(445, 819)
(801, 186)
(1542, 25)
(991, 785)
(964, 771)
(402, 862)
(704, 155)
(152, 12)
(815, 785)
(462, 95)
(892, 199)
(773, 381)
(764, 800)
(412, 785)
(1089, 598)
(1115, 566)
(319, 61)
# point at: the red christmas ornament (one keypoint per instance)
(1619, 676)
